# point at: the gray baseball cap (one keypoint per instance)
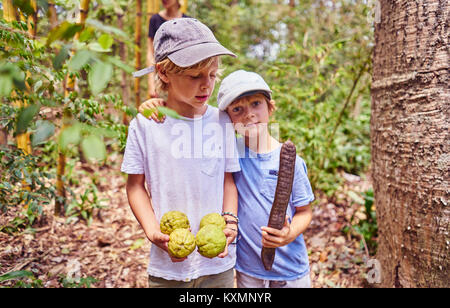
(185, 41)
(239, 84)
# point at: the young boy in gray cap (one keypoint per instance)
(170, 159)
(247, 99)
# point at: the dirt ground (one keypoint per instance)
(114, 250)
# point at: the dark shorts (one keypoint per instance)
(221, 280)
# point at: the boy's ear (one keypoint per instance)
(271, 106)
(162, 74)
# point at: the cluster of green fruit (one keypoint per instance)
(210, 239)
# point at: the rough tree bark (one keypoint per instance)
(411, 142)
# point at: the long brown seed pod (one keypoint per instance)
(282, 194)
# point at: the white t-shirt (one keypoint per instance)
(184, 161)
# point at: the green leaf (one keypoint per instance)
(6, 85)
(95, 46)
(70, 135)
(93, 148)
(105, 40)
(120, 64)
(80, 59)
(25, 116)
(168, 112)
(25, 6)
(59, 59)
(64, 31)
(355, 197)
(37, 86)
(137, 244)
(148, 112)
(45, 130)
(15, 275)
(105, 28)
(10, 76)
(19, 79)
(99, 76)
(86, 34)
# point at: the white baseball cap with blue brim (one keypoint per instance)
(186, 42)
(240, 84)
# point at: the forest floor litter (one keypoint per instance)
(114, 251)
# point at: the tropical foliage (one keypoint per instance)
(314, 54)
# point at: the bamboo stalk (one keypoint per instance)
(32, 20)
(137, 51)
(84, 8)
(23, 140)
(184, 6)
(123, 53)
(9, 14)
(291, 26)
(52, 15)
(152, 8)
(9, 11)
(70, 86)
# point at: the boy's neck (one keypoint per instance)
(172, 12)
(186, 110)
(263, 143)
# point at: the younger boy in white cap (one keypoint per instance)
(170, 159)
(247, 99)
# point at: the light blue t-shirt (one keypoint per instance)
(256, 184)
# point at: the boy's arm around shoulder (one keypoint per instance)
(149, 109)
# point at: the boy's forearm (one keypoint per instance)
(141, 206)
(230, 194)
(150, 62)
(150, 52)
(230, 206)
(301, 220)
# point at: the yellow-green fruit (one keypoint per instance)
(181, 243)
(213, 219)
(173, 220)
(210, 241)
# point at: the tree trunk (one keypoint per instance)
(411, 142)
